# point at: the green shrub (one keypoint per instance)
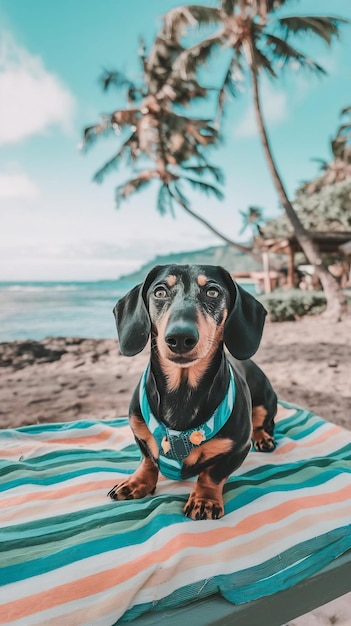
(292, 304)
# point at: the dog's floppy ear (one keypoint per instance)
(132, 317)
(244, 324)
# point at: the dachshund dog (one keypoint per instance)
(196, 407)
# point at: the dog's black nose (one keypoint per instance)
(181, 339)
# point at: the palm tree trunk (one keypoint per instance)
(336, 300)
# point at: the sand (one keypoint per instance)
(61, 379)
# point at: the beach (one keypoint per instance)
(61, 379)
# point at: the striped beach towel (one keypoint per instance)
(69, 555)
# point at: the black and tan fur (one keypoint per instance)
(191, 313)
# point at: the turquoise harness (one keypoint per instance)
(174, 445)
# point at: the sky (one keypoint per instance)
(55, 222)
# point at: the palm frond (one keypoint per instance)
(197, 131)
(189, 60)
(325, 27)
(112, 164)
(229, 6)
(284, 52)
(197, 138)
(273, 5)
(201, 130)
(125, 117)
(178, 195)
(261, 62)
(201, 170)
(338, 146)
(110, 123)
(176, 20)
(160, 60)
(115, 78)
(119, 80)
(228, 85)
(259, 7)
(217, 173)
(344, 130)
(142, 52)
(207, 188)
(233, 77)
(183, 90)
(176, 120)
(164, 200)
(91, 133)
(323, 164)
(134, 184)
(345, 110)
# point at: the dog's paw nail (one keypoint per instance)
(216, 512)
(187, 511)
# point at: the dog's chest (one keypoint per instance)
(180, 413)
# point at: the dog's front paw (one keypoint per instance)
(140, 484)
(265, 443)
(131, 489)
(202, 508)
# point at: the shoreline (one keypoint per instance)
(64, 379)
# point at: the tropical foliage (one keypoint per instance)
(257, 37)
(157, 142)
(324, 204)
(328, 209)
(339, 168)
(261, 40)
(252, 219)
(168, 146)
(291, 304)
(172, 147)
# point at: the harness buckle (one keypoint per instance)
(180, 446)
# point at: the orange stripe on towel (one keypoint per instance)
(292, 445)
(19, 450)
(107, 579)
(58, 493)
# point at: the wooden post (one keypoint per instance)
(267, 280)
(291, 266)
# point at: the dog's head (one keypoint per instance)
(190, 310)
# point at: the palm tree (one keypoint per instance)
(260, 41)
(339, 168)
(169, 146)
(252, 219)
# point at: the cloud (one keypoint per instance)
(275, 111)
(32, 99)
(17, 185)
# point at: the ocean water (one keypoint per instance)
(35, 310)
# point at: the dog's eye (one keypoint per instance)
(160, 292)
(212, 292)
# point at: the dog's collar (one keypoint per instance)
(175, 445)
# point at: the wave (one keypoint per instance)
(37, 288)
